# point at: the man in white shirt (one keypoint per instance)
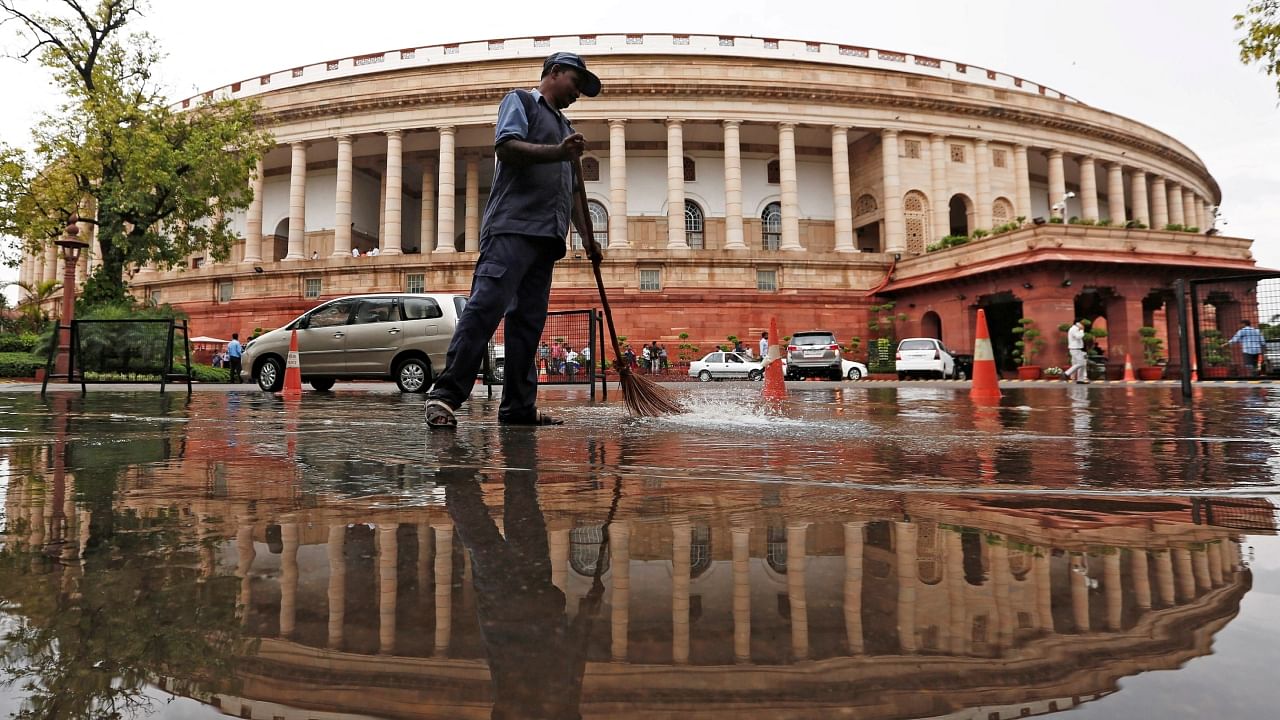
(1079, 370)
(375, 252)
(355, 252)
(764, 345)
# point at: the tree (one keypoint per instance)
(1261, 42)
(161, 180)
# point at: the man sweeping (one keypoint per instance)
(531, 205)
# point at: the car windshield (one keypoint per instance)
(916, 345)
(826, 339)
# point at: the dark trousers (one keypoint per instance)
(234, 364)
(512, 279)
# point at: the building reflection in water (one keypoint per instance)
(710, 598)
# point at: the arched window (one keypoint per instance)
(963, 218)
(928, 553)
(693, 224)
(590, 169)
(865, 206)
(1020, 564)
(1001, 212)
(915, 208)
(584, 550)
(775, 549)
(599, 224)
(773, 172)
(699, 550)
(690, 170)
(771, 226)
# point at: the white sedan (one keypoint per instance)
(724, 365)
(849, 369)
(924, 356)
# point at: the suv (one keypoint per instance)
(814, 353)
(387, 336)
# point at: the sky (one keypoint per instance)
(1172, 64)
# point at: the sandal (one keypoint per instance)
(440, 415)
(537, 419)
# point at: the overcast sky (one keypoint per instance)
(1172, 64)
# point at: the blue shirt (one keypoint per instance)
(233, 349)
(534, 199)
(1250, 339)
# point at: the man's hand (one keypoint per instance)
(593, 249)
(572, 147)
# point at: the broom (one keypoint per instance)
(642, 396)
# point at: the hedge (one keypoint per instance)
(19, 364)
(18, 342)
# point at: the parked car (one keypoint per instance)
(724, 365)
(814, 353)
(925, 357)
(386, 336)
(848, 369)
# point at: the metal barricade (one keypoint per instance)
(571, 351)
(1236, 324)
(129, 351)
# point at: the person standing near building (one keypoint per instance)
(234, 351)
(1079, 370)
(1250, 340)
(764, 345)
(531, 204)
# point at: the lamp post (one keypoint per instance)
(71, 246)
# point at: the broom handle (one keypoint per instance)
(581, 190)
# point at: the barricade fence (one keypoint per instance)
(571, 351)
(129, 351)
(1236, 323)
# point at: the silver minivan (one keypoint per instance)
(384, 336)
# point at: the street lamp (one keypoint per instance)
(71, 246)
(1062, 206)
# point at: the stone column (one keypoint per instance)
(958, 634)
(789, 187)
(471, 223)
(1115, 194)
(843, 192)
(1112, 589)
(342, 200)
(1200, 570)
(1022, 181)
(1138, 568)
(1215, 566)
(1001, 578)
(297, 202)
(1079, 593)
(905, 554)
(558, 544)
(446, 199)
(1138, 189)
(427, 232)
(288, 578)
(253, 219)
(618, 184)
(1176, 216)
(733, 237)
(681, 539)
(939, 208)
(982, 164)
(1089, 188)
(741, 535)
(853, 548)
(1044, 590)
(1057, 184)
(676, 237)
(391, 202)
(620, 591)
(1159, 204)
(797, 534)
(1184, 574)
(52, 259)
(1189, 208)
(245, 554)
(895, 231)
(1164, 577)
(388, 587)
(444, 587)
(425, 542)
(336, 548)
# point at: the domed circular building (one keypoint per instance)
(732, 179)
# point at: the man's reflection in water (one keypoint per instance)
(536, 656)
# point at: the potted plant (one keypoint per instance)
(1054, 372)
(1152, 354)
(1026, 348)
(1214, 350)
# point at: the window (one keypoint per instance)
(590, 169)
(1001, 211)
(911, 149)
(376, 310)
(197, 263)
(999, 158)
(773, 172)
(421, 309)
(311, 288)
(957, 153)
(415, 283)
(331, 315)
(154, 297)
(599, 225)
(650, 280)
(771, 226)
(224, 291)
(690, 170)
(693, 224)
(767, 280)
(916, 210)
(715, 357)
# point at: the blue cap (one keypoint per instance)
(590, 83)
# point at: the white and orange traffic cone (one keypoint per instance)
(986, 384)
(292, 371)
(1195, 375)
(542, 371)
(775, 385)
(1128, 369)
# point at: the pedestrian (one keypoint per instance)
(1079, 370)
(531, 203)
(644, 358)
(355, 252)
(374, 252)
(662, 357)
(315, 254)
(738, 347)
(764, 345)
(1250, 341)
(234, 352)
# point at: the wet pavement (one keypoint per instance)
(859, 551)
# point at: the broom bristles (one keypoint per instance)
(644, 397)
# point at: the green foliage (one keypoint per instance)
(1270, 332)
(1214, 348)
(1104, 222)
(880, 356)
(205, 373)
(1053, 371)
(1055, 220)
(948, 242)
(1261, 40)
(979, 234)
(19, 342)
(1075, 220)
(1136, 225)
(1175, 227)
(19, 364)
(855, 342)
(1152, 346)
(883, 320)
(1191, 229)
(1007, 227)
(1029, 343)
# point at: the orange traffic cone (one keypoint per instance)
(292, 370)
(775, 385)
(1128, 369)
(542, 371)
(1195, 376)
(986, 385)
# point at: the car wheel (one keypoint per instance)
(960, 375)
(411, 375)
(855, 373)
(322, 384)
(270, 374)
(755, 375)
(902, 376)
(704, 376)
